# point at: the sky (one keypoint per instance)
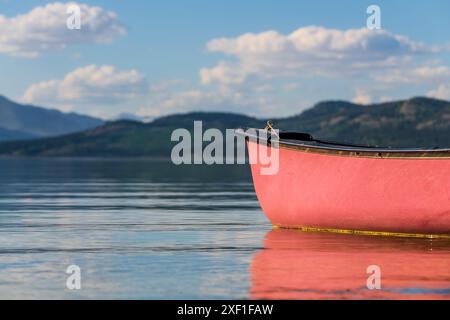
(262, 58)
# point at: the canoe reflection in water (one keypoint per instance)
(302, 265)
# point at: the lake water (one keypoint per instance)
(144, 229)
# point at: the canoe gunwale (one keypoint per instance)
(337, 149)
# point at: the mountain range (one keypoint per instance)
(416, 122)
(20, 121)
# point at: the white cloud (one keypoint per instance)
(91, 84)
(362, 97)
(225, 73)
(416, 75)
(307, 51)
(271, 74)
(441, 92)
(198, 100)
(44, 29)
(177, 96)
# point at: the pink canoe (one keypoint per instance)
(334, 187)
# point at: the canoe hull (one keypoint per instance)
(324, 191)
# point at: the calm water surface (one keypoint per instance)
(149, 230)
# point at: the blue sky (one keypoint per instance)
(163, 57)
